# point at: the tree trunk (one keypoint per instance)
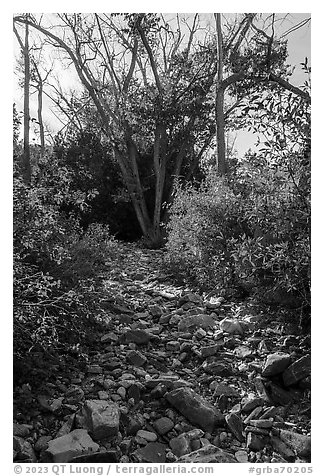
(222, 165)
(220, 118)
(160, 144)
(26, 155)
(40, 119)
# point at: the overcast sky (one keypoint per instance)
(299, 47)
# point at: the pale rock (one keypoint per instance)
(195, 408)
(76, 443)
(297, 371)
(147, 435)
(102, 418)
(193, 322)
(276, 364)
(231, 326)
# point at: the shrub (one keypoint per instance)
(252, 235)
(55, 262)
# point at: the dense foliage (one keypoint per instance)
(56, 262)
(250, 234)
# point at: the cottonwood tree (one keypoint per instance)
(151, 93)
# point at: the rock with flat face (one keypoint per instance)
(276, 364)
(235, 424)
(151, 453)
(163, 425)
(301, 444)
(232, 326)
(284, 450)
(190, 323)
(136, 358)
(297, 371)
(137, 336)
(195, 408)
(76, 443)
(24, 450)
(180, 445)
(101, 418)
(221, 389)
(208, 454)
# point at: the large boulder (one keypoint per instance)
(101, 418)
(276, 364)
(300, 444)
(297, 371)
(195, 408)
(76, 443)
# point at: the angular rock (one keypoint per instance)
(301, 444)
(283, 449)
(276, 364)
(76, 443)
(66, 427)
(256, 412)
(217, 368)
(21, 429)
(297, 371)
(195, 408)
(208, 454)
(172, 345)
(232, 326)
(134, 391)
(209, 350)
(250, 404)
(190, 297)
(163, 425)
(180, 445)
(74, 395)
(261, 390)
(42, 443)
(136, 358)
(190, 323)
(262, 423)
(24, 450)
(101, 418)
(151, 453)
(214, 302)
(137, 336)
(221, 389)
(235, 424)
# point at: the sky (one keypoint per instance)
(298, 48)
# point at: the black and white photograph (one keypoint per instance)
(161, 241)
